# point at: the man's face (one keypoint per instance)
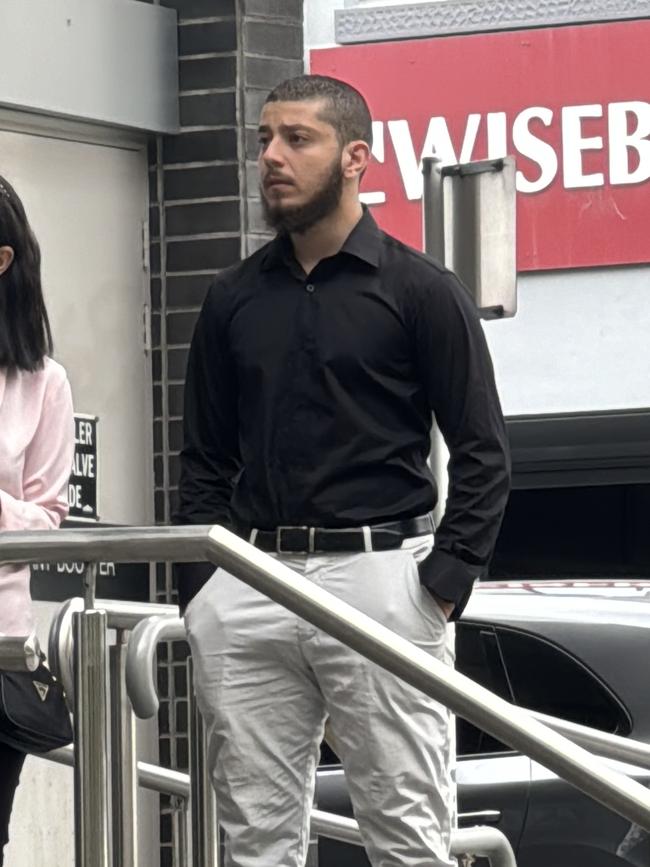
(300, 167)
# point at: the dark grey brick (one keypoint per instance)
(157, 436)
(210, 109)
(174, 468)
(198, 219)
(201, 183)
(163, 712)
(153, 185)
(174, 501)
(154, 257)
(202, 255)
(155, 329)
(187, 291)
(207, 38)
(188, 9)
(181, 716)
(261, 72)
(154, 222)
(166, 826)
(182, 751)
(158, 471)
(180, 327)
(156, 365)
(159, 500)
(163, 681)
(207, 72)
(156, 290)
(279, 40)
(219, 144)
(175, 398)
(157, 400)
(175, 434)
(292, 9)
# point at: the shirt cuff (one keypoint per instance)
(189, 578)
(449, 578)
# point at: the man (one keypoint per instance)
(314, 371)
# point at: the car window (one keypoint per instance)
(546, 678)
(478, 656)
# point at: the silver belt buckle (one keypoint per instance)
(278, 538)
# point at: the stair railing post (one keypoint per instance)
(91, 730)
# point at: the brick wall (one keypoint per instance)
(204, 216)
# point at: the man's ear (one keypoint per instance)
(356, 156)
(6, 258)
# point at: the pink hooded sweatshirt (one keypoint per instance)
(36, 453)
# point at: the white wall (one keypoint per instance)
(106, 62)
(579, 342)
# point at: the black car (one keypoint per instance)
(578, 650)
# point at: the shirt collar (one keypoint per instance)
(363, 242)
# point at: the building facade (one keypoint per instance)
(129, 129)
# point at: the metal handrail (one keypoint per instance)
(355, 629)
(116, 544)
(603, 744)
(141, 661)
(141, 682)
(120, 614)
(153, 777)
(480, 841)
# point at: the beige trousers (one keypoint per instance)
(266, 681)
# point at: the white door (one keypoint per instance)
(85, 194)
(87, 203)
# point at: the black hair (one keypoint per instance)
(347, 111)
(25, 335)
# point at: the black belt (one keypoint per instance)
(310, 540)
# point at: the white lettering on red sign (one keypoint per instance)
(623, 140)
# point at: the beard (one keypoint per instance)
(299, 218)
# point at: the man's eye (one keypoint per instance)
(296, 138)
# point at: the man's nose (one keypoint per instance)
(272, 154)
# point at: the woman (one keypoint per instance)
(36, 433)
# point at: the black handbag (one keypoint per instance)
(34, 717)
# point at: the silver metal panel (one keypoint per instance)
(91, 742)
(480, 232)
(113, 63)
(469, 217)
(404, 21)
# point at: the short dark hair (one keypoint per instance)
(347, 110)
(25, 335)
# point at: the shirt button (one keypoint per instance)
(310, 287)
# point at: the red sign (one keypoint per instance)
(572, 104)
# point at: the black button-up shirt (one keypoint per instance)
(308, 401)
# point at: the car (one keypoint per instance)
(578, 650)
